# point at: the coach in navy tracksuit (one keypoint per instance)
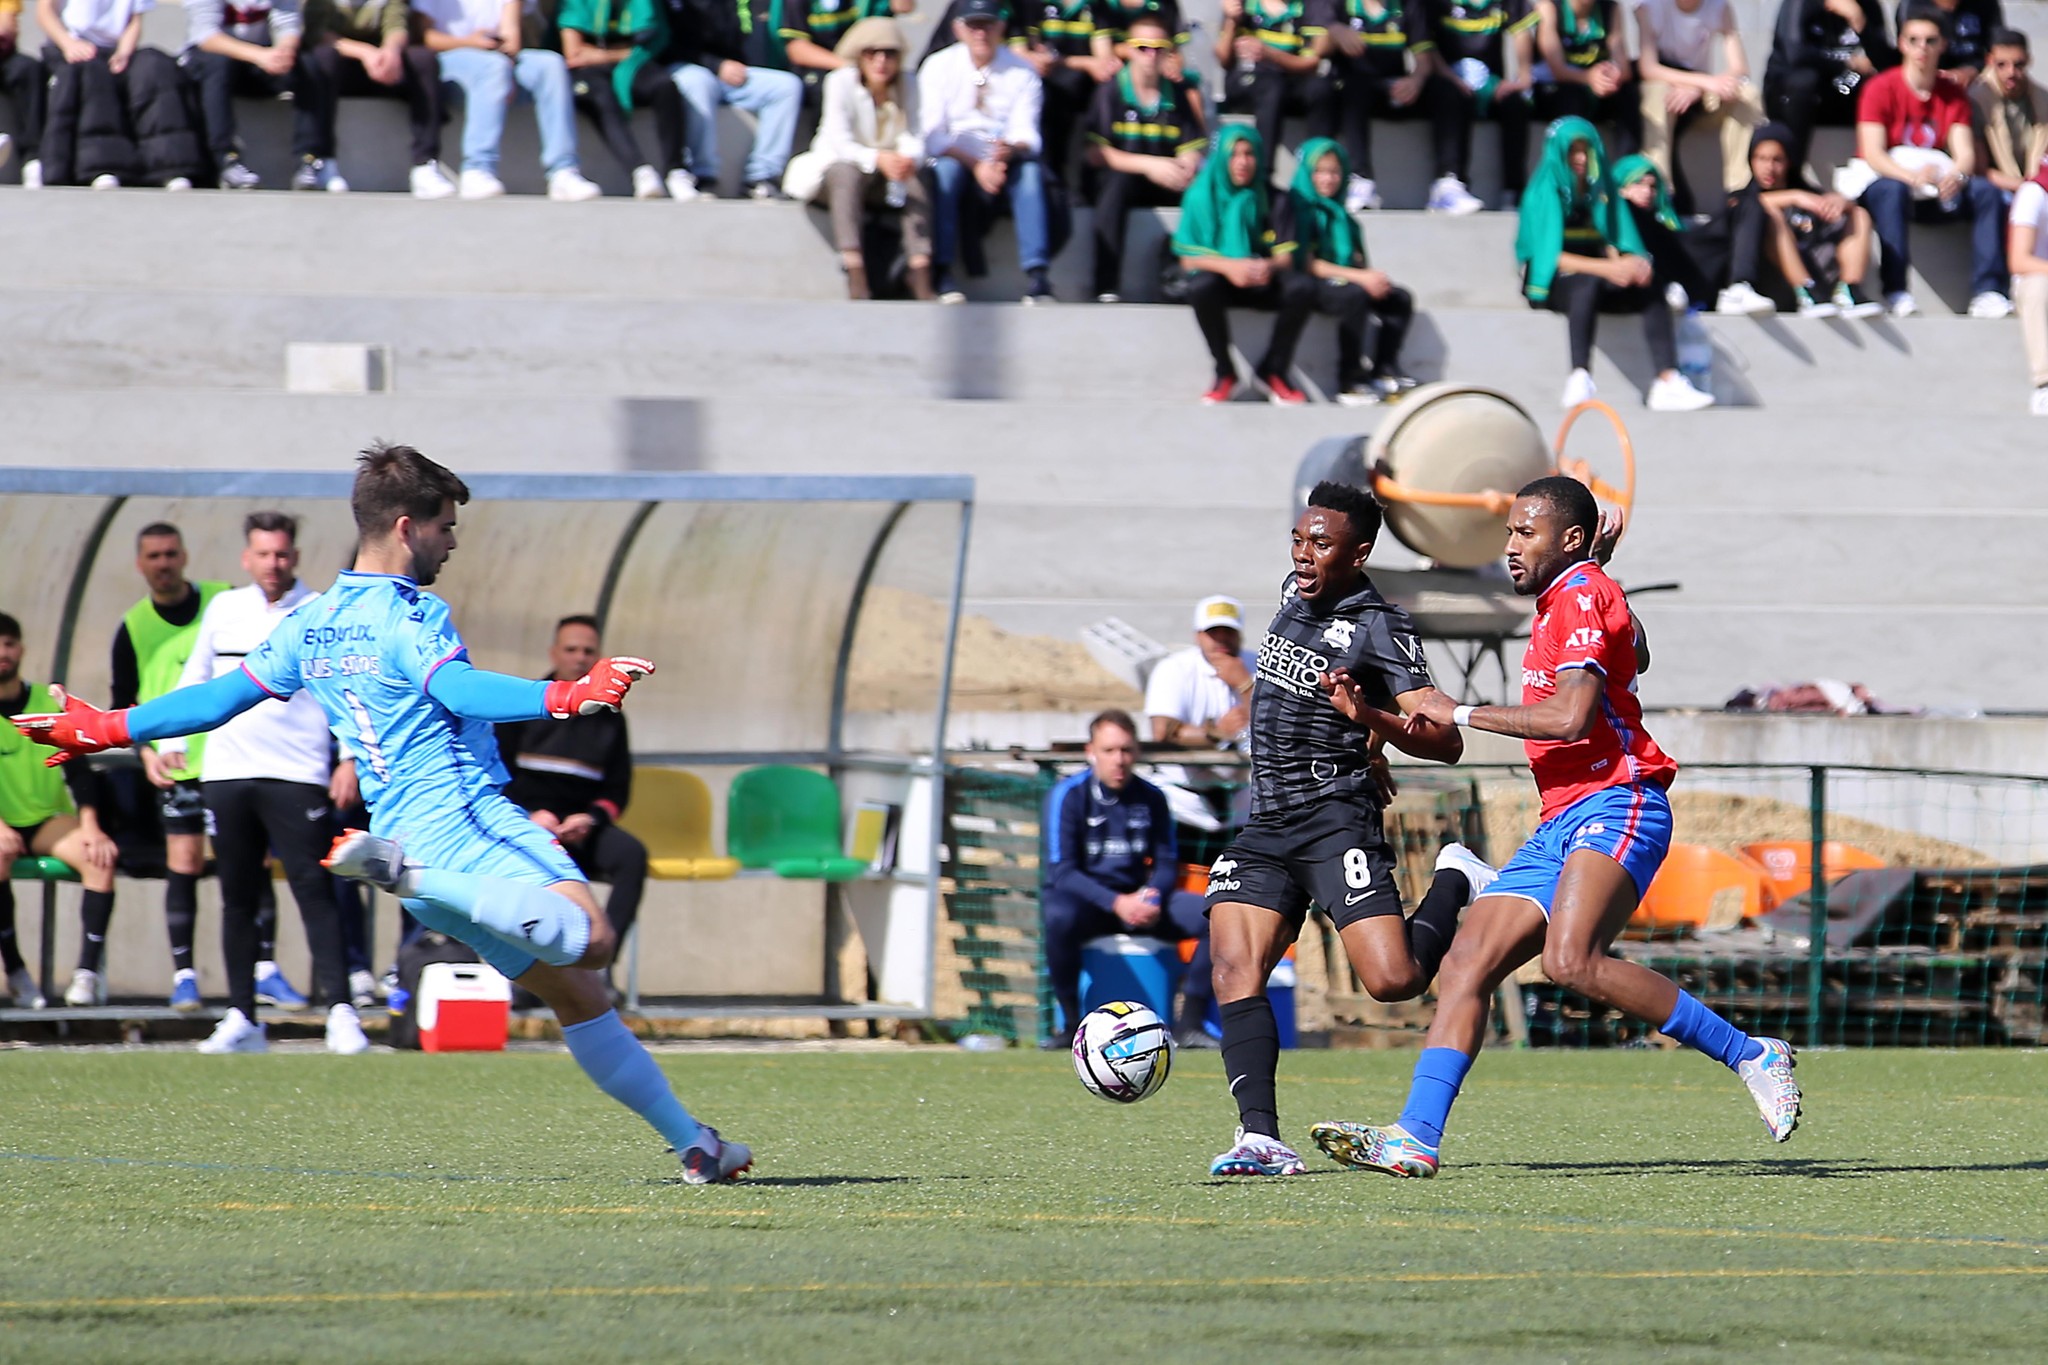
(1113, 867)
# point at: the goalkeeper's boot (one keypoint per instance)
(711, 1160)
(1362, 1147)
(1257, 1154)
(1769, 1078)
(366, 857)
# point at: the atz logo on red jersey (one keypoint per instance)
(1585, 637)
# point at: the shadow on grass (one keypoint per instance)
(810, 1181)
(1806, 1168)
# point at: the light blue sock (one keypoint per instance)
(1439, 1071)
(531, 918)
(611, 1056)
(1700, 1028)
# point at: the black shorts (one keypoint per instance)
(1333, 853)
(182, 809)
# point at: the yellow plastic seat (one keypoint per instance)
(671, 814)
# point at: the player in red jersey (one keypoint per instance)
(1606, 825)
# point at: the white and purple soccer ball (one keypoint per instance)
(1122, 1052)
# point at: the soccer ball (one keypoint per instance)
(1122, 1052)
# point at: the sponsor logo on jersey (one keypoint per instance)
(1585, 637)
(1292, 666)
(1535, 677)
(337, 635)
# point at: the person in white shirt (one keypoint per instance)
(867, 135)
(978, 112)
(1676, 42)
(2027, 256)
(478, 45)
(267, 777)
(1200, 698)
(116, 113)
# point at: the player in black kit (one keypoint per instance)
(1339, 670)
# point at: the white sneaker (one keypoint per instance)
(86, 988)
(1257, 1154)
(345, 1035)
(1991, 304)
(2038, 404)
(1449, 195)
(711, 1160)
(106, 182)
(365, 857)
(682, 186)
(178, 184)
(1675, 297)
(647, 183)
(570, 186)
(1578, 388)
(22, 986)
(1769, 1078)
(480, 185)
(362, 990)
(1677, 394)
(234, 1033)
(1742, 301)
(1902, 304)
(1361, 195)
(429, 181)
(1457, 857)
(32, 173)
(1109, 298)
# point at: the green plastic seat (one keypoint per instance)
(34, 869)
(786, 820)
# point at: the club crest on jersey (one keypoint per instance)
(1585, 600)
(1337, 635)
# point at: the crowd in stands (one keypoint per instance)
(1023, 110)
(269, 785)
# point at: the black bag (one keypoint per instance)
(413, 959)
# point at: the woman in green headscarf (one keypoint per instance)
(1360, 298)
(1693, 259)
(1582, 256)
(1239, 253)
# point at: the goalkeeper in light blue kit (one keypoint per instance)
(383, 658)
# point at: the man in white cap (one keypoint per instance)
(1198, 698)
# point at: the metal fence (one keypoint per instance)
(1929, 925)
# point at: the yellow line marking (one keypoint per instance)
(1091, 1286)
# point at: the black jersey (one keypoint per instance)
(1303, 749)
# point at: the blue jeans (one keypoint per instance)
(1892, 206)
(772, 97)
(490, 82)
(1025, 190)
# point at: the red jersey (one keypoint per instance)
(1908, 120)
(1582, 621)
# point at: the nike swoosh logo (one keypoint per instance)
(1353, 900)
(1235, 1081)
(1094, 820)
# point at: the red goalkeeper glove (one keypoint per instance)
(78, 729)
(601, 689)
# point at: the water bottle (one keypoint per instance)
(1479, 76)
(1696, 352)
(896, 195)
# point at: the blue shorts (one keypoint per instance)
(1631, 825)
(488, 837)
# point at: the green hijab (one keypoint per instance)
(1322, 224)
(1218, 218)
(1630, 169)
(1554, 194)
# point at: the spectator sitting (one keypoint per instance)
(479, 48)
(724, 52)
(1371, 44)
(1059, 42)
(1584, 68)
(1272, 54)
(811, 32)
(2012, 111)
(38, 819)
(1821, 52)
(1239, 252)
(613, 53)
(1581, 256)
(1687, 264)
(1969, 25)
(978, 111)
(365, 47)
(867, 131)
(1146, 139)
(1361, 298)
(248, 50)
(575, 776)
(26, 85)
(1113, 24)
(1196, 698)
(1470, 41)
(1675, 42)
(116, 110)
(1913, 131)
(2028, 250)
(1819, 243)
(1113, 867)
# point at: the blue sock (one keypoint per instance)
(1700, 1028)
(1439, 1071)
(531, 918)
(612, 1057)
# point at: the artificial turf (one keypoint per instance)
(937, 1205)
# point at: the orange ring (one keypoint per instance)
(1624, 497)
(1393, 490)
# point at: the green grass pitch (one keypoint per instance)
(945, 1206)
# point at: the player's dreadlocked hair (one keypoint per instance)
(1568, 498)
(398, 481)
(1356, 503)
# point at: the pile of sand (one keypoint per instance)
(895, 664)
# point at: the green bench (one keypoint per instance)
(48, 871)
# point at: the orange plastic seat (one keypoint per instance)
(1700, 888)
(1788, 863)
(671, 814)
